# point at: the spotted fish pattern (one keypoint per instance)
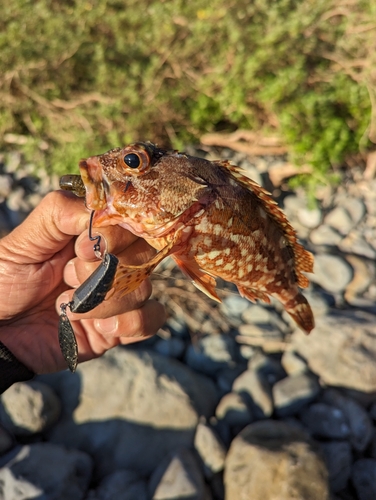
(208, 216)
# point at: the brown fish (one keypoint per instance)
(209, 217)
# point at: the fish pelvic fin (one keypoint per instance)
(199, 278)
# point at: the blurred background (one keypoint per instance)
(77, 78)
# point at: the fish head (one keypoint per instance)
(141, 187)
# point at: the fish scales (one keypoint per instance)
(207, 215)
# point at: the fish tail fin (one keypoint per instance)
(299, 309)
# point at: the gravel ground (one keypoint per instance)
(228, 400)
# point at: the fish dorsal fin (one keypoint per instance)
(303, 258)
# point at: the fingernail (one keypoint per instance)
(71, 274)
(106, 325)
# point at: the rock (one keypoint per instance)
(130, 408)
(325, 421)
(338, 458)
(341, 349)
(262, 332)
(292, 363)
(363, 275)
(217, 487)
(294, 392)
(210, 449)
(29, 407)
(363, 477)
(267, 366)
(358, 420)
(233, 410)
(5, 186)
(256, 392)
(325, 235)
(246, 351)
(225, 378)
(16, 200)
(331, 272)
(372, 411)
(234, 305)
(257, 314)
(339, 219)
(355, 208)
(6, 440)
(309, 218)
(44, 470)
(122, 484)
(270, 459)
(177, 326)
(212, 353)
(372, 448)
(355, 243)
(173, 347)
(179, 476)
(320, 302)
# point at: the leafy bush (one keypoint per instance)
(79, 77)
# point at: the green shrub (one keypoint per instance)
(79, 77)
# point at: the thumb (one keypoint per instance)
(48, 229)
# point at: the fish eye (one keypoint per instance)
(132, 160)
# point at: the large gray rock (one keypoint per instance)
(270, 459)
(29, 407)
(44, 470)
(131, 408)
(341, 350)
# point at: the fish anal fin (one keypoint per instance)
(253, 295)
(200, 279)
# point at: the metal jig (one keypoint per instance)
(89, 295)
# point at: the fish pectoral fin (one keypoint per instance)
(200, 279)
(252, 294)
(128, 278)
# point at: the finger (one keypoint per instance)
(138, 323)
(48, 228)
(94, 337)
(77, 270)
(112, 306)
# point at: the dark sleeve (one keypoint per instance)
(11, 370)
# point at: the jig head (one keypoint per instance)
(89, 295)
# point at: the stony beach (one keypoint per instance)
(227, 401)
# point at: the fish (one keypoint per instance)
(208, 216)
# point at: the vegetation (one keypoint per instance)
(80, 77)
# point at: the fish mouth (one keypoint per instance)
(92, 176)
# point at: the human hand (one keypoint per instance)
(38, 258)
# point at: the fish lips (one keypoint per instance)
(91, 172)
